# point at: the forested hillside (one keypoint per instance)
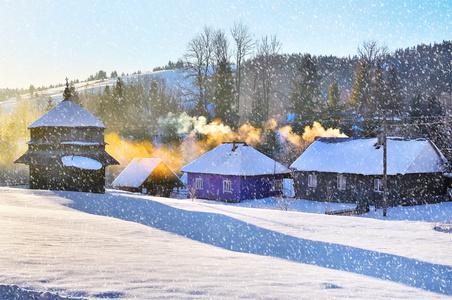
(250, 91)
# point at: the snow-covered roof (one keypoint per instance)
(244, 160)
(67, 114)
(81, 162)
(361, 156)
(137, 171)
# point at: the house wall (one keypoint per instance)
(257, 187)
(242, 188)
(129, 189)
(44, 158)
(422, 185)
(213, 187)
(360, 188)
(67, 178)
(58, 134)
(159, 187)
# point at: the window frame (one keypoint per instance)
(227, 186)
(199, 183)
(378, 182)
(277, 185)
(341, 182)
(312, 180)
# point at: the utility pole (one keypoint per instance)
(385, 167)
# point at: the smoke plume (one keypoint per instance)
(198, 137)
(317, 130)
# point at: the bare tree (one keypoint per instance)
(220, 47)
(244, 44)
(266, 54)
(367, 93)
(370, 57)
(198, 62)
(370, 52)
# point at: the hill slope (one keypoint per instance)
(174, 78)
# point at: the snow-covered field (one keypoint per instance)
(130, 246)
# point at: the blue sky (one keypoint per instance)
(45, 41)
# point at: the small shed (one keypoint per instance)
(66, 150)
(234, 172)
(350, 170)
(148, 176)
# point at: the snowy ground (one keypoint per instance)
(130, 246)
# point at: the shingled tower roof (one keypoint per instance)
(67, 114)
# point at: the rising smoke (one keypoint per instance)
(198, 137)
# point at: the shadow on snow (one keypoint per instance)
(235, 235)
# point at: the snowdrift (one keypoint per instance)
(123, 245)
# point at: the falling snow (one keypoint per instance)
(131, 246)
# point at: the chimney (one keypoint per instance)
(234, 146)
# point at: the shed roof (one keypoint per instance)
(362, 156)
(67, 114)
(138, 170)
(236, 159)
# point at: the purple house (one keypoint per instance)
(234, 172)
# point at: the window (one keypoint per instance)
(341, 182)
(312, 180)
(227, 186)
(277, 185)
(378, 185)
(199, 184)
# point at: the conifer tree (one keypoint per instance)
(104, 109)
(49, 104)
(259, 112)
(75, 97)
(378, 97)
(223, 96)
(67, 92)
(118, 102)
(358, 97)
(333, 93)
(395, 96)
(305, 94)
(333, 104)
(156, 105)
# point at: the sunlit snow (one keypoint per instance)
(404, 157)
(67, 114)
(81, 162)
(132, 246)
(236, 160)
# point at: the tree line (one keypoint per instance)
(236, 79)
